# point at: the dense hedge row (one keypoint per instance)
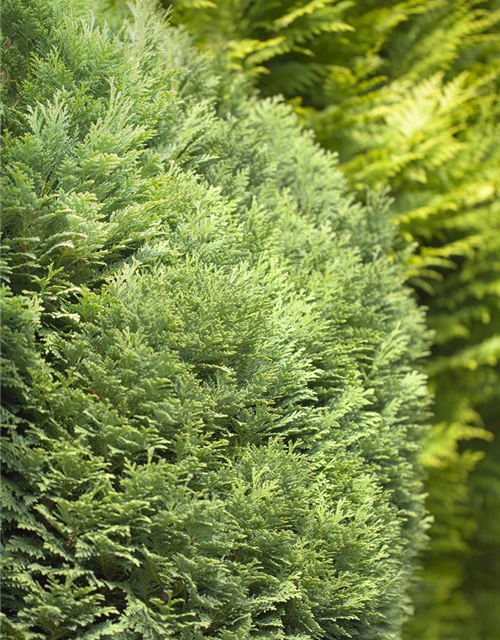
(211, 404)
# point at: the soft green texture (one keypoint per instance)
(212, 407)
(407, 92)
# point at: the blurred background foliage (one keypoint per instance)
(407, 93)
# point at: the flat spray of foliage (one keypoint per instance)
(211, 407)
(407, 92)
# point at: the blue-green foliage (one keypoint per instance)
(211, 407)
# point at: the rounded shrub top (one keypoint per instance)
(211, 404)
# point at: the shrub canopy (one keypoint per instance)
(211, 407)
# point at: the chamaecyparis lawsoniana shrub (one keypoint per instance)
(211, 404)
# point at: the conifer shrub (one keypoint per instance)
(211, 400)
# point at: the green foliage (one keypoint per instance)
(485, 569)
(407, 93)
(211, 405)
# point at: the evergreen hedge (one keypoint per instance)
(211, 402)
(407, 92)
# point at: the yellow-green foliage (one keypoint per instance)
(408, 94)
